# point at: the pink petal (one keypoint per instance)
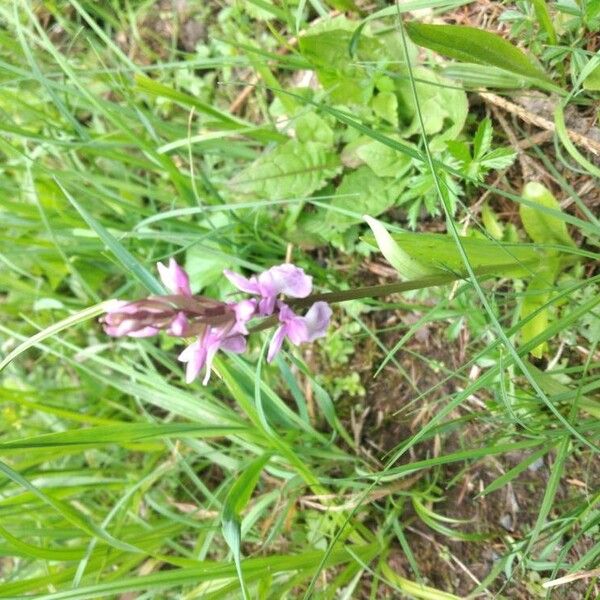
(174, 278)
(317, 320)
(179, 325)
(195, 357)
(276, 341)
(285, 279)
(244, 311)
(234, 343)
(148, 331)
(250, 286)
(297, 331)
(210, 354)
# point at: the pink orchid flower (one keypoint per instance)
(299, 329)
(283, 279)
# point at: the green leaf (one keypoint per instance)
(499, 158)
(407, 266)
(346, 79)
(536, 295)
(542, 227)
(235, 502)
(310, 127)
(293, 170)
(469, 44)
(592, 81)
(491, 223)
(360, 192)
(444, 107)
(382, 160)
(543, 16)
(204, 265)
(385, 105)
(416, 255)
(482, 141)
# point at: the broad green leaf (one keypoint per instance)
(469, 44)
(536, 295)
(444, 107)
(380, 158)
(418, 254)
(310, 127)
(293, 170)
(542, 227)
(360, 192)
(204, 265)
(385, 105)
(346, 79)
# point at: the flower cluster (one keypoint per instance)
(220, 325)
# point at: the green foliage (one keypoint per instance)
(476, 163)
(293, 170)
(118, 149)
(469, 44)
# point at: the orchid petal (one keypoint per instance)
(179, 325)
(250, 286)
(174, 278)
(276, 342)
(195, 357)
(285, 279)
(317, 320)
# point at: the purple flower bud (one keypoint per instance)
(299, 329)
(283, 279)
(174, 278)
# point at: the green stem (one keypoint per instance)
(370, 291)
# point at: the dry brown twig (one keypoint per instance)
(589, 144)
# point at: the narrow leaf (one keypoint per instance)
(469, 44)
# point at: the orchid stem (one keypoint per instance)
(371, 291)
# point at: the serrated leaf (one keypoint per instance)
(469, 44)
(499, 158)
(542, 227)
(482, 141)
(293, 170)
(360, 192)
